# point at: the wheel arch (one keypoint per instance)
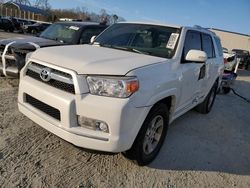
(168, 97)
(170, 102)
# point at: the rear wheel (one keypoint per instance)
(151, 136)
(206, 106)
(226, 90)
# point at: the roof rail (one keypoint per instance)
(203, 28)
(198, 27)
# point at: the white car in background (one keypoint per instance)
(230, 60)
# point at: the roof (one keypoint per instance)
(27, 8)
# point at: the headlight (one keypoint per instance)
(120, 87)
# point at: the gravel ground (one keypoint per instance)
(200, 150)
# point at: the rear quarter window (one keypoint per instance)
(219, 47)
(207, 45)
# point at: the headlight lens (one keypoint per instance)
(120, 87)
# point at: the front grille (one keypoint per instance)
(51, 111)
(52, 82)
(54, 70)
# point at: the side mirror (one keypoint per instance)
(92, 39)
(196, 56)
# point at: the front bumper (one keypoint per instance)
(124, 120)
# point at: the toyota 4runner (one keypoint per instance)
(121, 93)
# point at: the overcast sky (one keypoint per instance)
(231, 15)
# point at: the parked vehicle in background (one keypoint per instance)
(121, 93)
(13, 51)
(230, 71)
(230, 60)
(244, 57)
(36, 28)
(23, 23)
(16, 23)
(225, 50)
(6, 24)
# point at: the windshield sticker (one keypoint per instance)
(172, 40)
(74, 28)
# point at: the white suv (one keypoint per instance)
(121, 93)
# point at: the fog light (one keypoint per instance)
(103, 126)
(93, 124)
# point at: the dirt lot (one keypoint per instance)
(200, 150)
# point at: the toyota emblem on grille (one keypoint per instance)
(45, 74)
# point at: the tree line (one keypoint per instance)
(78, 13)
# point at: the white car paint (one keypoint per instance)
(158, 78)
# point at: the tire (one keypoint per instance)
(147, 144)
(226, 90)
(206, 106)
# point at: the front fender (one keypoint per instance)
(158, 97)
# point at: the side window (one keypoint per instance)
(218, 44)
(207, 45)
(88, 33)
(192, 42)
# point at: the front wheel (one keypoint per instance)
(151, 136)
(206, 106)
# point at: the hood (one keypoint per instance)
(88, 59)
(24, 43)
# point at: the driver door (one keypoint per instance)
(193, 73)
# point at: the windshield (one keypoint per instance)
(152, 40)
(60, 32)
